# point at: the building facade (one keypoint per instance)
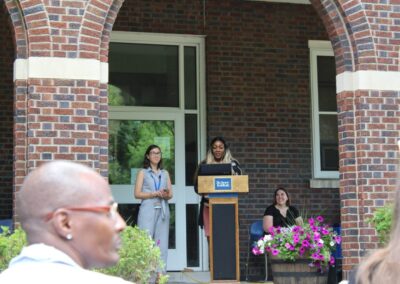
(305, 93)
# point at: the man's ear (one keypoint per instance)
(62, 223)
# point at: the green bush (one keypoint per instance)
(10, 245)
(382, 221)
(139, 256)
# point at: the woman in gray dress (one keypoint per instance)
(153, 187)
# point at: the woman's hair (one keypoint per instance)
(226, 158)
(146, 161)
(285, 191)
(382, 266)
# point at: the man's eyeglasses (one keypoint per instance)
(111, 210)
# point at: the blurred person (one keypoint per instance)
(383, 265)
(71, 223)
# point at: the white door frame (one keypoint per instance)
(124, 193)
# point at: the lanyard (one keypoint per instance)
(156, 186)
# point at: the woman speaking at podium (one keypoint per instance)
(218, 152)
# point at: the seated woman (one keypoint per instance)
(281, 213)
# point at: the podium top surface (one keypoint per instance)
(223, 184)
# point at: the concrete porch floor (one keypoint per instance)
(186, 277)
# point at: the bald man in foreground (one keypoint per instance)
(72, 224)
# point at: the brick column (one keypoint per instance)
(60, 82)
(367, 63)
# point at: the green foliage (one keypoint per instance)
(382, 221)
(139, 258)
(128, 142)
(115, 97)
(10, 245)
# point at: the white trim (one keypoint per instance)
(61, 68)
(368, 80)
(318, 48)
(320, 45)
(285, 1)
(156, 38)
(324, 183)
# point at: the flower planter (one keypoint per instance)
(298, 272)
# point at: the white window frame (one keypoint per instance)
(174, 113)
(318, 48)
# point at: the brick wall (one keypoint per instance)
(6, 115)
(257, 66)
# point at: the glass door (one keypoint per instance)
(156, 95)
(129, 139)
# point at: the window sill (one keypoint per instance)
(324, 183)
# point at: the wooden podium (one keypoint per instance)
(224, 224)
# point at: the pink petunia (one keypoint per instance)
(332, 261)
(275, 252)
(296, 238)
(320, 219)
(305, 243)
(256, 251)
(338, 239)
(324, 231)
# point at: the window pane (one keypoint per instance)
(192, 235)
(129, 213)
(128, 142)
(190, 78)
(326, 83)
(143, 75)
(329, 142)
(190, 146)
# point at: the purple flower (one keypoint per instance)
(256, 251)
(305, 243)
(275, 252)
(320, 219)
(311, 221)
(296, 229)
(325, 231)
(338, 239)
(289, 246)
(271, 231)
(315, 255)
(332, 261)
(302, 250)
(296, 238)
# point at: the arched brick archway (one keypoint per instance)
(361, 43)
(41, 38)
(368, 114)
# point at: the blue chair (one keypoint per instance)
(6, 223)
(256, 231)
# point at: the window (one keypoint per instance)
(324, 111)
